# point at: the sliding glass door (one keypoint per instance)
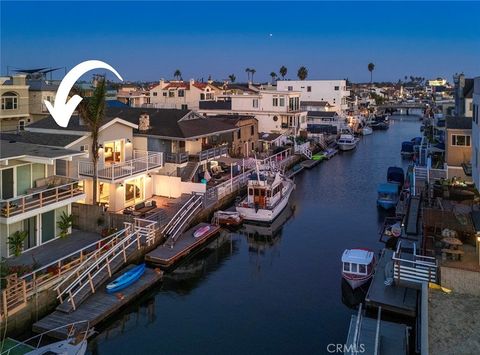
(7, 183)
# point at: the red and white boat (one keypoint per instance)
(357, 266)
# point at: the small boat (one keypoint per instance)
(357, 266)
(228, 218)
(396, 175)
(200, 232)
(366, 130)
(126, 279)
(407, 149)
(347, 142)
(329, 152)
(380, 125)
(387, 196)
(319, 156)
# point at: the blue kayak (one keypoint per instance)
(126, 279)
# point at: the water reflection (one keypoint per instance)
(352, 298)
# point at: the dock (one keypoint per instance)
(394, 298)
(310, 163)
(165, 256)
(413, 214)
(99, 306)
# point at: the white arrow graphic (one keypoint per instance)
(62, 110)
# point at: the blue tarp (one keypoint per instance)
(388, 188)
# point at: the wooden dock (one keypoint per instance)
(393, 298)
(98, 306)
(166, 256)
(310, 163)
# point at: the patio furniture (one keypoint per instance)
(454, 254)
(452, 242)
(141, 208)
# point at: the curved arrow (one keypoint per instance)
(62, 110)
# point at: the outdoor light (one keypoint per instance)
(129, 141)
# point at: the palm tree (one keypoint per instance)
(273, 75)
(178, 74)
(232, 78)
(248, 70)
(302, 73)
(283, 71)
(371, 67)
(92, 111)
(252, 71)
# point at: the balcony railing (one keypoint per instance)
(176, 158)
(40, 198)
(143, 161)
(213, 152)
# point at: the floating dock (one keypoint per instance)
(165, 256)
(98, 306)
(310, 163)
(393, 298)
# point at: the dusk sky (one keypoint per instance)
(149, 40)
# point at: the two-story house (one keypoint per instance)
(276, 111)
(181, 94)
(33, 193)
(14, 112)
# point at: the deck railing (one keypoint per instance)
(176, 158)
(213, 152)
(41, 198)
(143, 161)
(413, 268)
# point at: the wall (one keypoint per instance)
(461, 281)
(456, 155)
(173, 187)
(85, 217)
(476, 133)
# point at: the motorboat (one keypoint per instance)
(126, 279)
(228, 218)
(396, 175)
(347, 142)
(267, 195)
(202, 231)
(387, 196)
(407, 150)
(357, 266)
(366, 130)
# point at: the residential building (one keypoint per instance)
(276, 111)
(181, 94)
(324, 122)
(244, 142)
(34, 194)
(463, 93)
(333, 91)
(458, 147)
(133, 96)
(15, 112)
(39, 91)
(476, 133)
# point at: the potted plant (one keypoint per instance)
(15, 242)
(64, 224)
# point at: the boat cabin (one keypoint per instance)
(262, 194)
(357, 261)
(387, 195)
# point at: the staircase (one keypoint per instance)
(303, 149)
(189, 171)
(99, 267)
(182, 218)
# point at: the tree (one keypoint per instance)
(232, 78)
(371, 68)
(15, 242)
(273, 75)
(302, 73)
(248, 70)
(283, 71)
(178, 74)
(64, 224)
(92, 111)
(252, 71)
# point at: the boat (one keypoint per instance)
(228, 218)
(357, 266)
(396, 175)
(347, 142)
(366, 130)
(267, 195)
(200, 232)
(319, 156)
(329, 153)
(387, 196)
(407, 150)
(126, 279)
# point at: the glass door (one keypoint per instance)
(48, 226)
(134, 191)
(30, 226)
(24, 179)
(7, 183)
(113, 152)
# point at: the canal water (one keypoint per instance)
(270, 290)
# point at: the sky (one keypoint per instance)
(147, 41)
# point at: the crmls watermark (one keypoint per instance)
(346, 348)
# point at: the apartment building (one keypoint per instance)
(15, 112)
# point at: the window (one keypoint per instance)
(9, 101)
(255, 103)
(181, 93)
(202, 96)
(184, 107)
(362, 269)
(336, 88)
(171, 93)
(275, 101)
(165, 94)
(346, 267)
(354, 267)
(239, 134)
(282, 101)
(250, 192)
(155, 94)
(252, 130)
(84, 148)
(21, 125)
(309, 89)
(460, 140)
(290, 88)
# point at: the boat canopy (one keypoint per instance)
(387, 188)
(407, 147)
(357, 256)
(395, 174)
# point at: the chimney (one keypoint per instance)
(19, 80)
(144, 122)
(192, 81)
(162, 83)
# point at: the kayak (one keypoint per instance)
(126, 279)
(201, 231)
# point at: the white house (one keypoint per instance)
(332, 91)
(476, 133)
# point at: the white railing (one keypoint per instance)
(213, 153)
(303, 149)
(143, 162)
(415, 268)
(430, 175)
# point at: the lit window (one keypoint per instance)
(459, 140)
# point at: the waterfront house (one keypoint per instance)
(181, 94)
(332, 91)
(34, 193)
(276, 111)
(324, 122)
(476, 133)
(458, 152)
(15, 112)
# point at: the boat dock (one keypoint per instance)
(165, 256)
(392, 298)
(98, 306)
(310, 163)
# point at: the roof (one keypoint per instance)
(357, 256)
(324, 114)
(115, 103)
(20, 150)
(48, 139)
(315, 103)
(235, 118)
(269, 137)
(388, 188)
(459, 123)
(43, 85)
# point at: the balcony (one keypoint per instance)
(176, 158)
(64, 190)
(213, 153)
(142, 162)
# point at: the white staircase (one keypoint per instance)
(303, 149)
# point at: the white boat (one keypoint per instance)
(347, 142)
(366, 130)
(357, 266)
(267, 195)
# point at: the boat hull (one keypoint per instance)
(356, 282)
(346, 146)
(386, 205)
(366, 131)
(126, 279)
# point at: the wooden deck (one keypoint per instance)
(393, 298)
(99, 306)
(310, 163)
(165, 256)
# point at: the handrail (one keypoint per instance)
(176, 214)
(377, 332)
(356, 334)
(188, 213)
